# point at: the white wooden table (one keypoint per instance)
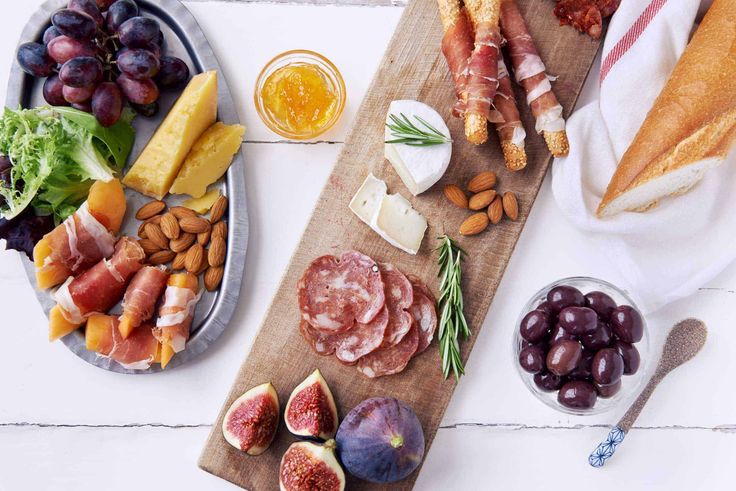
(65, 425)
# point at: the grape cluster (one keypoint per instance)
(97, 54)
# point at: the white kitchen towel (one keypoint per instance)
(667, 253)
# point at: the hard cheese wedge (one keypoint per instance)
(202, 205)
(159, 163)
(208, 160)
(390, 215)
(419, 167)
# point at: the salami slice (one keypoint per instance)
(390, 359)
(425, 319)
(399, 297)
(334, 293)
(418, 284)
(350, 345)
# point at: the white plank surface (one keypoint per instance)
(67, 425)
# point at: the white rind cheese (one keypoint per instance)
(418, 167)
(389, 215)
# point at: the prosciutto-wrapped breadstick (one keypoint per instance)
(530, 73)
(482, 69)
(137, 352)
(96, 290)
(510, 132)
(176, 314)
(457, 46)
(139, 302)
(586, 15)
(82, 239)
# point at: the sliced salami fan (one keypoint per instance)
(350, 345)
(391, 359)
(399, 297)
(334, 293)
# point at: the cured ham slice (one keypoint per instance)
(511, 132)
(139, 302)
(457, 46)
(482, 80)
(530, 73)
(586, 15)
(349, 346)
(137, 352)
(83, 239)
(391, 359)
(334, 292)
(176, 314)
(399, 297)
(99, 288)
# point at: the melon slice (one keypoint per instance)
(58, 325)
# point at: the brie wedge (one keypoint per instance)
(418, 166)
(389, 215)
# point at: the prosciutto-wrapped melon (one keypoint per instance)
(176, 314)
(139, 302)
(137, 352)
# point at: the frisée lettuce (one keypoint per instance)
(56, 154)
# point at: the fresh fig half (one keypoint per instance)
(251, 421)
(308, 466)
(381, 440)
(311, 409)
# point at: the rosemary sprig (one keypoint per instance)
(452, 319)
(405, 131)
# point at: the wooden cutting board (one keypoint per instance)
(412, 68)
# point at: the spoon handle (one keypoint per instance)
(606, 449)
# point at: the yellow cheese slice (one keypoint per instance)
(159, 163)
(209, 159)
(202, 205)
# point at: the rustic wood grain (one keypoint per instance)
(413, 68)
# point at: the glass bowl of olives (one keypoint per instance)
(580, 345)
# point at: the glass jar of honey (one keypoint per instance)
(300, 94)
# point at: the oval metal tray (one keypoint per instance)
(184, 39)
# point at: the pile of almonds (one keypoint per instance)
(185, 239)
(483, 196)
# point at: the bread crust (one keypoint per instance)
(694, 116)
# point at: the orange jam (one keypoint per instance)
(299, 98)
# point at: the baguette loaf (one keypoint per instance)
(691, 126)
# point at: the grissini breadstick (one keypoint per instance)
(482, 69)
(530, 73)
(510, 132)
(457, 46)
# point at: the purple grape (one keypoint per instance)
(118, 13)
(146, 110)
(63, 48)
(103, 5)
(50, 33)
(138, 63)
(77, 95)
(82, 106)
(138, 91)
(138, 32)
(74, 24)
(53, 91)
(173, 72)
(88, 7)
(107, 104)
(160, 40)
(84, 71)
(34, 59)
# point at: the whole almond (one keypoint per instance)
(481, 182)
(204, 266)
(216, 254)
(204, 237)
(219, 230)
(170, 226)
(150, 209)
(179, 260)
(142, 230)
(161, 257)
(194, 225)
(456, 196)
(218, 209)
(155, 235)
(182, 211)
(480, 200)
(213, 277)
(183, 242)
(474, 224)
(495, 210)
(510, 205)
(195, 256)
(148, 246)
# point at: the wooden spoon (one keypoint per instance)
(683, 342)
